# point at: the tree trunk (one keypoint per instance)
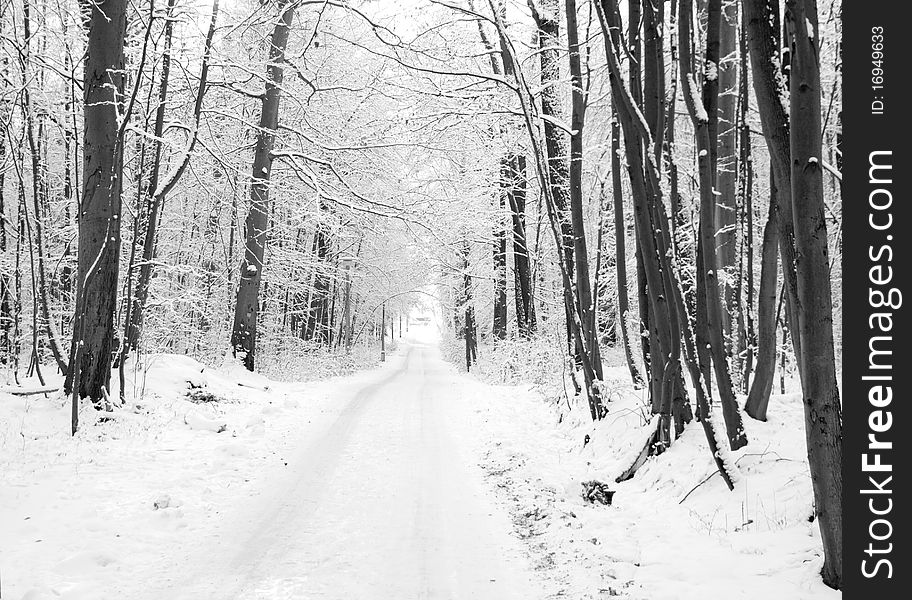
(156, 190)
(244, 332)
(469, 331)
(823, 412)
(499, 328)
(345, 333)
(609, 20)
(383, 333)
(727, 174)
(6, 288)
(549, 43)
(580, 252)
(573, 311)
(40, 192)
(762, 385)
(620, 253)
(703, 126)
(654, 74)
(525, 308)
(134, 316)
(605, 303)
(653, 107)
(762, 22)
(635, 83)
(99, 209)
(70, 161)
(646, 194)
(315, 327)
(747, 336)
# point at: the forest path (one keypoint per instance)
(385, 503)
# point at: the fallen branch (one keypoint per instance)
(20, 391)
(264, 388)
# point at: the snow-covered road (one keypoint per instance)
(386, 502)
(405, 482)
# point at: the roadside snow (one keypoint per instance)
(674, 531)
(144, 495)
(102, 515)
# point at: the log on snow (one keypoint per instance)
(20, 391)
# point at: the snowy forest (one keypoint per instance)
(393, 299)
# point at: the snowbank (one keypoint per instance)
(674, 531)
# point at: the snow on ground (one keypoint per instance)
(405, 481)
(673, 532)
(96, 516)
(384, 504)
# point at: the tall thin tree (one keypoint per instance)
(704, 125)
(819, 386)
(247, 306)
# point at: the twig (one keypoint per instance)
(681, 501)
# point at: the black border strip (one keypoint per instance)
(876, 257)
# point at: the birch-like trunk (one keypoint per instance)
(499, 329)
(705, 131)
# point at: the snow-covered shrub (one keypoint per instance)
(538, 361)
(541, 361)
(289, 358)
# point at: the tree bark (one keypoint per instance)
(6, 288)
(703, 132)
(770, 89)
(316, 328)
(556, 149)
(345, 333)
(542, 156)
(646, 188)
(654, 74)
(747, 341)
(469, 331)
(653, 106)
(762, 384)
(499, 329)
(727, 174)
(580, 252)
(620, 251)
(99, 209)
(244, 332)
(525, 307)
(635, 83)
(634, 127)
(822, 409)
